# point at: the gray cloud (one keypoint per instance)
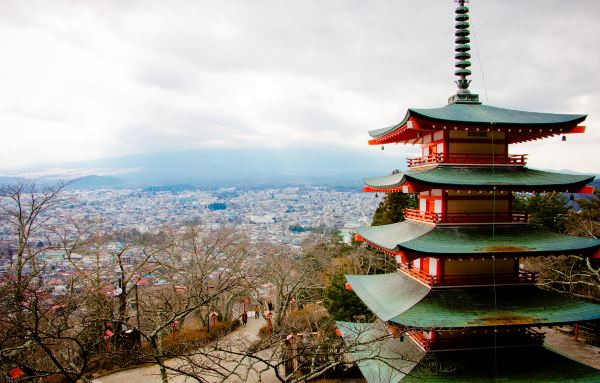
(84, 80)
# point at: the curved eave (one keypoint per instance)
(413, 240)
(522, 126)
(388, 295)
(479, 178)
(380, 358)
(387, 237)
(513, 364)
(407, 131)
(453, 308)
(500, 240)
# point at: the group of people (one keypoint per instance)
(257, 310)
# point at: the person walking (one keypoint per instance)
(255, 311)
(270, 306)
(244, 318)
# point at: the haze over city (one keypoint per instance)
(85, 81)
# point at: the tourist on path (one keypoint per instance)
(244, 318)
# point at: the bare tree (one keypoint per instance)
(201, 270)
(574, 274)
(292, 271)
(38, 333)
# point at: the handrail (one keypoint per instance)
(468, 158)
(426, 216)
(417, 273)
(421, 339)
(482, 217)
(522, 276)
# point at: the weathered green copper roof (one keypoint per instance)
(455, 241)
(499, 306)
(383, 359)
(499, 239)
(502, 177)
(380, 358)
(484, 114)
(514, 365)
(380, 292)
(389, 236)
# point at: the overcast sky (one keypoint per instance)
(84, 80)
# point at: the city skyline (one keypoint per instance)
(86, 81)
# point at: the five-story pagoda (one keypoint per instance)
(460, 307)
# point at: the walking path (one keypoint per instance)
(580, 351)
(557, 341)
(242, 335)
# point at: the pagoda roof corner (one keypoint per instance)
(380, 292)
(390, 236)
(380, 358)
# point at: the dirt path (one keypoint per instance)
(151, 374)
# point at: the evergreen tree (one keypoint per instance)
(343, 304)
(391, 209)
(546, 211)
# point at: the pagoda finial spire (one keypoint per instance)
(462, 56)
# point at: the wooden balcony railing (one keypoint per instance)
(425, 216)
(509, 337)
(458, 218)
(417, 273)
(466, 158)
(523, 276)
(420, 338)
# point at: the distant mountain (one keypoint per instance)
(228, 167)
(248, 168)
(10, 180)
(95, 182)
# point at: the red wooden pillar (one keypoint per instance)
(269, 315)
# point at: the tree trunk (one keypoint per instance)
(159, 349)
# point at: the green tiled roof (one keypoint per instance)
(383, 359)
(474, 240)
(380, 358)
(514, 365)
(389, 236)
(389, 181)
(484, 114)
(505, 178)
(499, 306)
(380, 292)
(514, 239)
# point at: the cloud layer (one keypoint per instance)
(84, 80)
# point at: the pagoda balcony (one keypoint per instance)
(468, 159)
(478, 339)
(465, 218)
(523, 276)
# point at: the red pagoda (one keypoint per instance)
(460, 307)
